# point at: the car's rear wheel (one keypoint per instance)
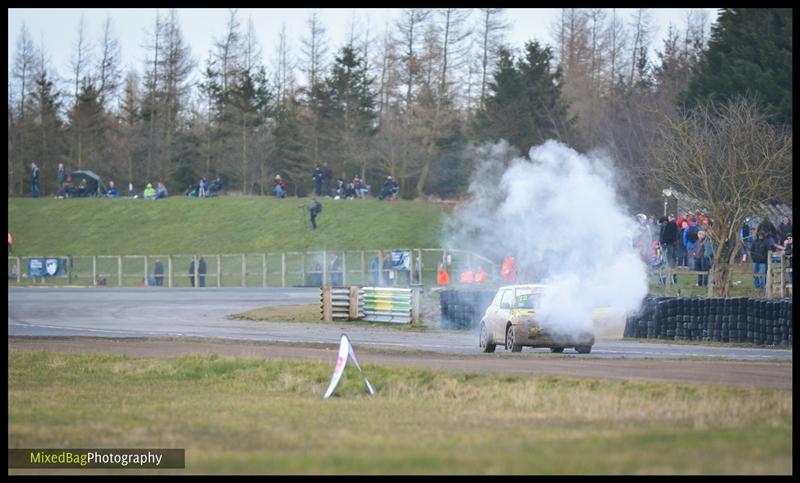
(510, 345)
(556, 349)
(583, 349)
(485, 345)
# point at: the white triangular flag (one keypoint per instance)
(345, 349)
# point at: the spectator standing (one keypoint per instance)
(61, 176)
(702, 254)
(34, 180)
(785, 228)
(770, 232)
(317, 177)
(680, 246)
(159, 273)
(787, 255)
(690, 235)
(376, 271)
(758, 255)
(191, 270)
(387, 269)
(327, 176)
(10, 243)
(201, 271)
(315, 210)
(669, 238)
(113, 192)
(336, 271)
(202, 188)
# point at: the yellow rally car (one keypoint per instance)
(511, 321)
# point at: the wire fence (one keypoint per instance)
(281, 269)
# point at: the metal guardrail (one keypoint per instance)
(373, 304)
(387, 304)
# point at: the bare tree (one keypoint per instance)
(490, 28)
(455, 48)
(732, 161)
(409, 28)
(283, 67)
(314, 50)
(81, 57)
(641, 40)
(108, 69)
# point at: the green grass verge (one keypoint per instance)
(313, 314)
(228, 224)
(257, 416)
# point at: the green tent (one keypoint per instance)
(93, 181)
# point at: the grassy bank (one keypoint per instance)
(245, 224)
(257, 416)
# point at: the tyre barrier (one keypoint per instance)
(463, 309)
(758, 321)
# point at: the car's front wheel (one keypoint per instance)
(485, 344)
(510, 345)
(583, 349)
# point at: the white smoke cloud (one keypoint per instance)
(559, 215)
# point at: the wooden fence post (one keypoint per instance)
(303, 268)
(263, 270)
(119, 271)
(344, 268)
(353, 308)
(327, 305)
(283, 269)
(169, 271)
(768, 282)
(244, 271)
(415, 295)
(324, 268)
(146, 278)
(363, 268)
(219, 270)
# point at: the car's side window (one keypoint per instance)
(506, 299)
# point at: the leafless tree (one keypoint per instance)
(108, 69)
(314, 49)
(491, 28)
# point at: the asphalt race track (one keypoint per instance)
(176, 313)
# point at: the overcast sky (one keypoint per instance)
(57, 28)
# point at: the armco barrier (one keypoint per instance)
(383, 304)
(463, 309)
(737, 319)
(375, 304)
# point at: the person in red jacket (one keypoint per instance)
(509, 268)
(443, 278)
(480, 275)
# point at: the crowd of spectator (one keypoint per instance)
(685, 243)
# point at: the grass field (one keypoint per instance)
(228, 224)
(257, 416)
(312, 313)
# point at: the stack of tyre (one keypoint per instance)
(736, 319)
(463, 309)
